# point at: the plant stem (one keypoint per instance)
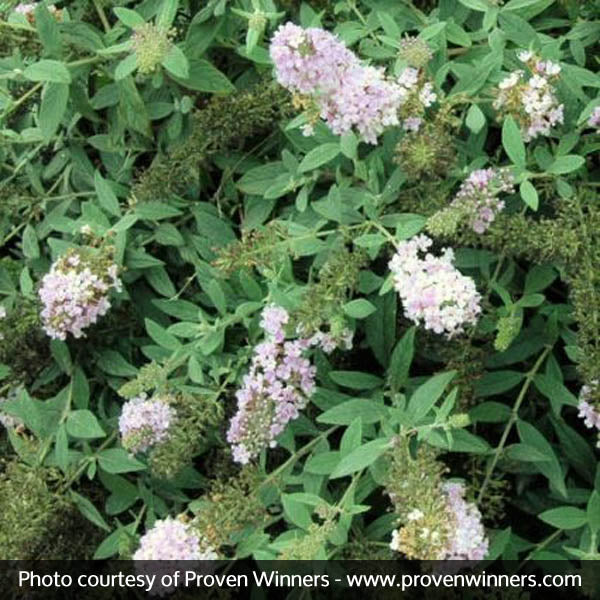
(512, 420)
(299, 453)
(102, 16)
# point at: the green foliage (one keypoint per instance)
(154, 135)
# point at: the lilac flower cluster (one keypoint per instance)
(587, 412)
(432, 290)
(75, 293)
(533, 101)
(594, 120)
(467, 540)
(478, 199)
(316, 64)
(278, 385)
(145, 422)
(171, 539)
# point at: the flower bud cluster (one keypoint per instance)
(151, 44)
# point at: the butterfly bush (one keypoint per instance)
(145, 422)
(348, 95)
(172, 539)
(432, 290)
(75, 293)
(532, 101)
(277, 387)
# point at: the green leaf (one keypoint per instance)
(552, 469)
(358, 309)
(83, 424)
(352, 437)
(48, 70)
(566, 164)
(52, 109)
(593, 512)
(61, 448)
(401, 360)
(427, 394)
(475, 120)
(323, 463)
(539, 278)
(113, 363)
(529, 194)
(106, 196)
(555, 391)
(346, 412)
(497, 382)
(167, 13)
(349, 144)
(216, 295)
(161, 336)
(89, 511)
(490, 412)
(125, 67)
(296, 512)
(48, 30)
(31, 247)
(319, 156)
(513, 142)
(117, 460)
(355, 380)
(129, 17)
(203, 77)
(564, 517)
(360, 458)
(479, 5)
(176, 63)
(155, 211)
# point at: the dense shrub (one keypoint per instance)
(300, 280)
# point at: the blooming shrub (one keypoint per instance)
(300, 280)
